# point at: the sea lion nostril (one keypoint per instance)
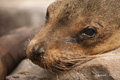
(42, 50)
(37, 51)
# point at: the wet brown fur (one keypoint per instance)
(66, 19)
(12, 50)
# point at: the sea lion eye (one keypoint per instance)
(88, 32)
(47, 15)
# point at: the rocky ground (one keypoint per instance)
(104, 67)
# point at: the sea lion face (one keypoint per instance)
(75, 29)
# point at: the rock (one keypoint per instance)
(29, 71)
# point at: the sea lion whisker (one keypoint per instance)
(104, 55)
(90, 57)
(60, 68)
(74, 60)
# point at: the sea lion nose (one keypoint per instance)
(38, 51)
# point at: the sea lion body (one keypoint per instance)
(75, 30)
(12, 50)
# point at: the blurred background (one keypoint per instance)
(22, 13)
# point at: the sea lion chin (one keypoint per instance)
(75, 30)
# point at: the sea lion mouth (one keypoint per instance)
(56, 63)
(52, 65)
(58, 66)
(68, 64)
(64, 63)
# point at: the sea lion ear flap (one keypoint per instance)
(51, 10)
(53, 6)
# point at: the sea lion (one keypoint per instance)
(75, 30)
(12, 50)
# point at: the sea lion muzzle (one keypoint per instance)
(37, 52)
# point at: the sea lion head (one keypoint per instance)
(75, 29)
